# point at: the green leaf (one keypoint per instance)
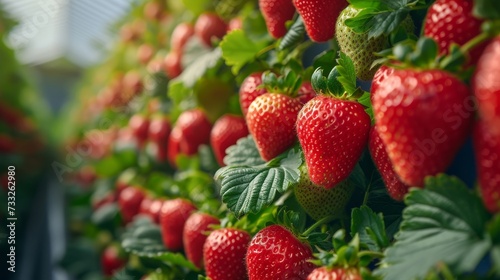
(370, 228)
(143, 238)
(486, 9)
(347, 73)
(442, 223)
(176, 259)
(199, 67)
(105, 215)
(294, 35)
(365, 100)
(244, 153)
(109, 166)
(250, 188)
(197, 6)
(381, 17)
(238, 49)
(325, 60)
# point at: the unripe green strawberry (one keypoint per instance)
(357, 45)
(319, 202)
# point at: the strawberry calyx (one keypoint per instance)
(287, 84)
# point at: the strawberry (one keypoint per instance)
(486, 86)
(487, 152)
(276, 13)
(181, 34)
(234, 24)
(320, 17)
(275, 253)
(129, 201)
(382, 73)
(451, 21)
(224, 254)
(250, 89)
(319, 202)
(151, 207)
(226, 131)
(145, 53)
(194, 235)
(191, 130)
(357, 45)
(159, 129)
(337, 273)
(173, 216)
(208, 26)
(172, 64)
(333, 133)
(271, 120)
(421, 119)
(395, 187)
(139, 125)
(111, 261)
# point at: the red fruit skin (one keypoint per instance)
(7, 144)
(145, 53)
(250, 90)
(423, 118)
(382, 73)
(154, 210)
(235, 23)
(181, 34)
(276, 13)
(306, 92)
(451, 21)
(395, 187)
(324, 273)
(173, 216)
(192, 129)
(487, 152)
(159, 130)
(209, 25)
(129, 201)
(486, 86)
(333, 134)
(109, 198)
(320, 17)
(271, 121)
(275, 253)
(139, 125)
(174, 148)
(226, 131)
(145, 204)
(172, 64)
(224, 254)
(111, 261)
(195, 234)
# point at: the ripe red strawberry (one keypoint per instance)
(144, 53)
(208, 26)
(395, 187)
(226, 131)
(422, 119)
(486, 86)
(319, 202)
(276, 13)
(129, 202)
(181, 34)
(173, 216)
(333, 134)
(382, 73)
(275, 253)
(172, 64)
(249, 90)
(487, 151)
(159, 129)
(338, 273)
(194, 235)
(235, 23)
(139, 125)
(451, 21)
(151, 207)
(111, 261)
(319, 17)
(271, 121)
(224, 254)
(191, 130)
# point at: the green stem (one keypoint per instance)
(378, 255)
(266, 49)
(475, 41)
(320, 222)
(367, 193)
